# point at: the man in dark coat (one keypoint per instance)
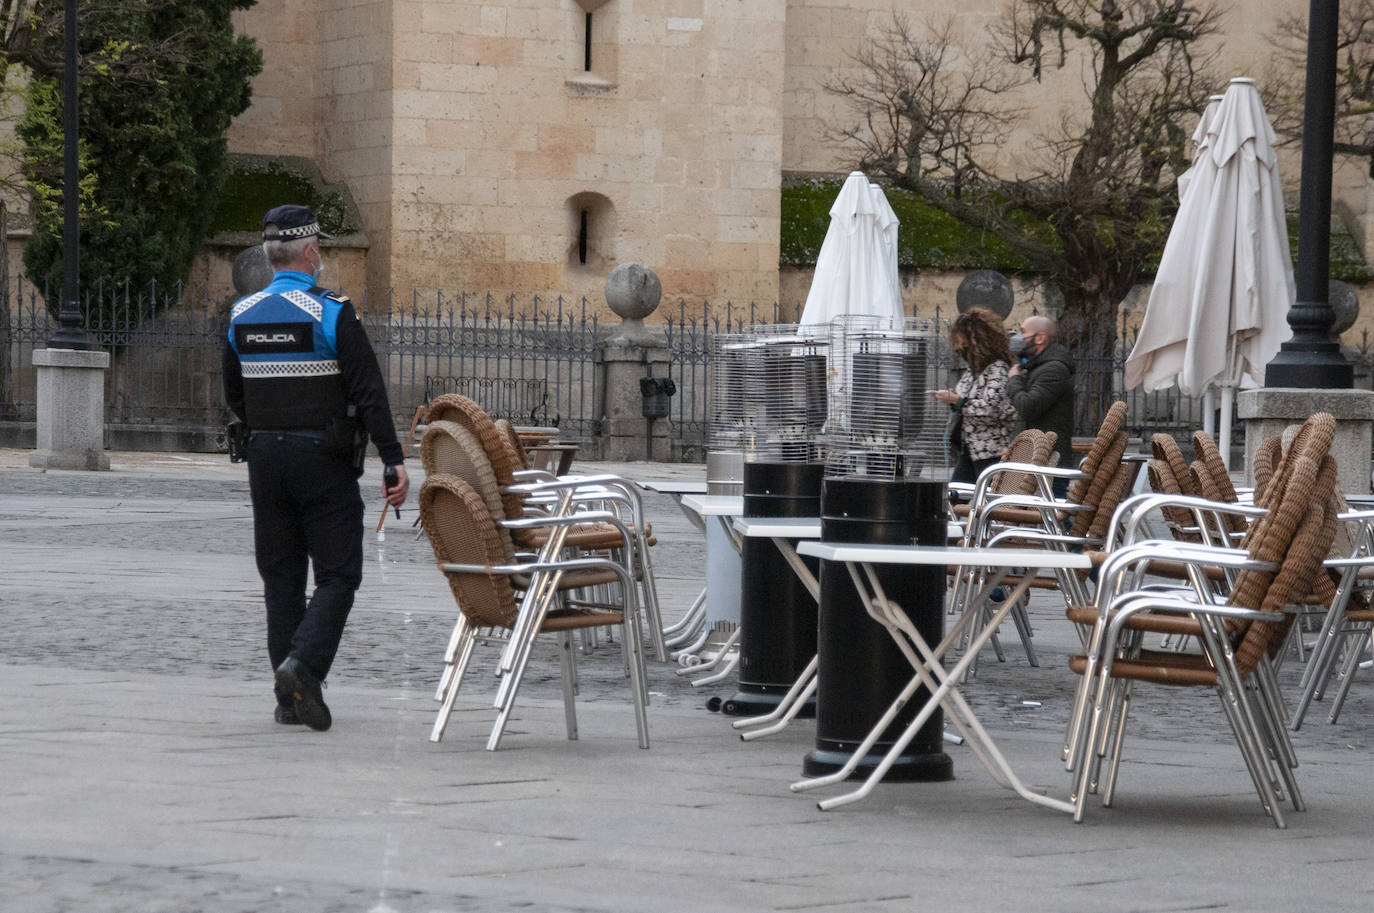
(1041, 387)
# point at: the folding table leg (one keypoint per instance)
(798, 701)
(806, 682)
(685, 628)
(944, 694)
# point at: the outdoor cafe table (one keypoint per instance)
(695, 617)
(785, 533)
(721, 596)
(723, 507)
(1022, 564)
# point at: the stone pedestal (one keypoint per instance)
(71, 409)
(1268, 411)
(633, 351)
(625, 431)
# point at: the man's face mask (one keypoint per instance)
(1017, 344)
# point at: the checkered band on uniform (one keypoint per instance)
(305, 302)
(290, 368)
(300, 299)
(246, 303)
(291, 234)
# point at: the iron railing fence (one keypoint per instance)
(533, 361)
(529, 361)
(165, 345)
(1100, 355)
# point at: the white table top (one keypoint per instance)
(715, 505)
(672, 486)
(943, 555)
(798, 527)
(779, 527)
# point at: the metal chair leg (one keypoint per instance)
(463, 653)
(569, 676)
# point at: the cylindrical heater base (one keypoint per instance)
(777, 614)
(861, 670)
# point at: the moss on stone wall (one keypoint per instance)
(930, 239)
(926, 238)
(1347, 263)
(255, 184)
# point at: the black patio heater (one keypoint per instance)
(782, 372)
(885, 484)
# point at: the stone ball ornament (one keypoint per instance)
(985, 288)
(633, 291)
(1345, 305)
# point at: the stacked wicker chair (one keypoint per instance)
(1348, 624)
(444, 449)
(1080, 521)
(1099, 484)
(1169, 473)
(1106, 479)
(1212, 482)
(1031, 447)
(513, 442)
(1008, 478)
(475, 558)
(1284, 547)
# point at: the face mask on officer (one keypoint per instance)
(319, 266)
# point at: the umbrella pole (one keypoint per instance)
(1228, 398)
(1209, 409)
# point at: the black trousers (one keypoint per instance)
(307, 512)
(967, 469)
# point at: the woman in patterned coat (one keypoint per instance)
(985, 413)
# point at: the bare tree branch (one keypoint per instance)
(1354, 109)
(1093, 203)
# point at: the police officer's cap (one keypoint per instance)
(291, 223)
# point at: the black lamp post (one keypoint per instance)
(1312, 358)
(70, 333)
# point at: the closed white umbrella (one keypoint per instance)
(856, 271)
(1200, 141)
(1218, 310)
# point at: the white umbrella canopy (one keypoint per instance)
(1200, 141)
(1218, 310)
(856, 271)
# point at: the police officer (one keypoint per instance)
(300, 372)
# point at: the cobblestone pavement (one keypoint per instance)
(140, 583)
(206, 616)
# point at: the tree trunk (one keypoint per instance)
(1088, 328)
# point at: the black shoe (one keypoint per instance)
(295, 679)
(286, 715)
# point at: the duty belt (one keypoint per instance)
(287, 432)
